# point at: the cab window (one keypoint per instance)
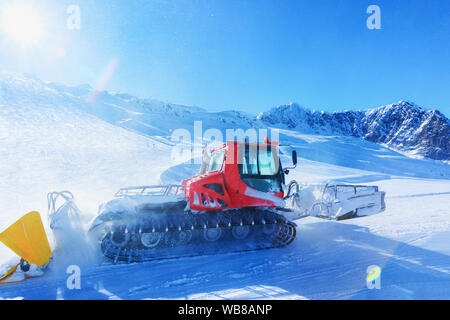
(216, 160)
(258, 162)
(260, 169)
(249, 163)
(267, 164)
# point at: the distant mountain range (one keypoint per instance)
(402, 126)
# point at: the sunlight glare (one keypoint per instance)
(21, 23)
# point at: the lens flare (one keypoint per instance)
(103, 81)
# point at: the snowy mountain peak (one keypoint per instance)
(404, 126)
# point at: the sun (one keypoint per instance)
(21, 23)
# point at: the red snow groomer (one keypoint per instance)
(238, 175)
(237, 202)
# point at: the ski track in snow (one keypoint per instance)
(60, 148)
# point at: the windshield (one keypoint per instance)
(258, 161)
(259, 168)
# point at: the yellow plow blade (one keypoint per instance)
(27, 238)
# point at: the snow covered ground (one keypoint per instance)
(328, 260)
(52, 146)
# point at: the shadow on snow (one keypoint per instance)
(328, 260)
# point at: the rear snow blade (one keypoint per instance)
(334, 202)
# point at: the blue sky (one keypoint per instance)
(249, 55)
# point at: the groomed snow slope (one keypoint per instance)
(46, 146)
